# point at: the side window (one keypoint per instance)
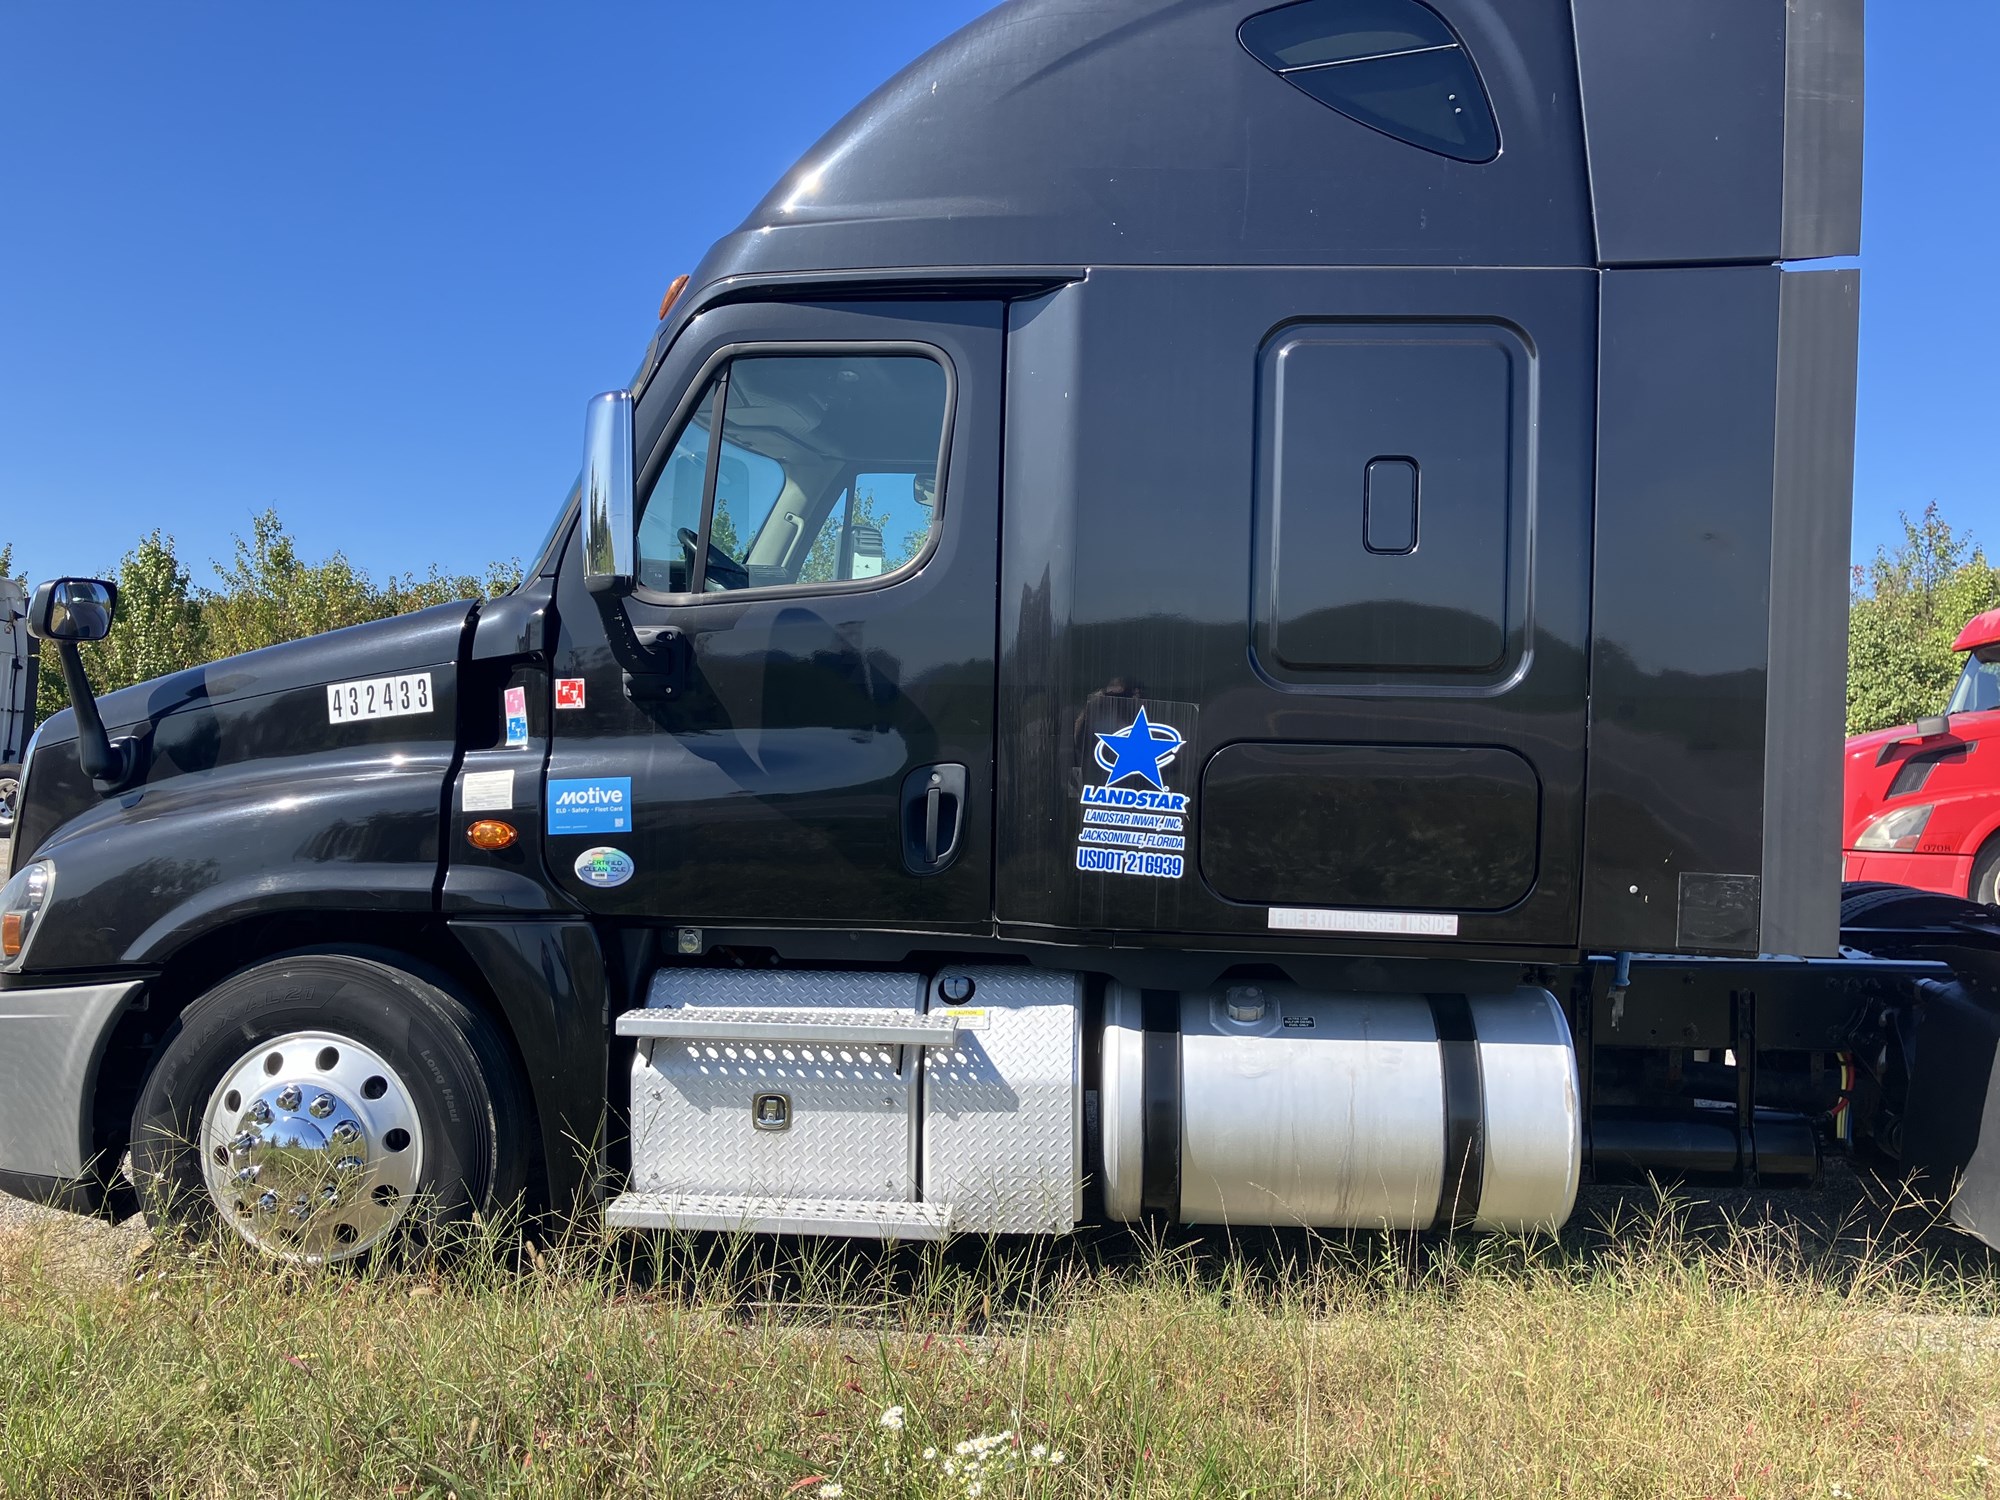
(826, 472)
(1392, 65)
(673, 510)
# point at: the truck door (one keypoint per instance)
(789, 719)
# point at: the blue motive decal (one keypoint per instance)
(592, 805)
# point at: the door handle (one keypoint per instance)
(933, 817)
(667, 655)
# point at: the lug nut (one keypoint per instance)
(249, 1174)
(347, 1130)
(244, 1144)
(259, 1113)
(321, 1107)
(288, 1096)
(267, 1202)
(349, 1164)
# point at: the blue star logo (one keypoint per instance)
(1141, 750)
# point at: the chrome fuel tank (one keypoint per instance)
(1348, 1111)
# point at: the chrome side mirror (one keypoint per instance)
(73, 609)
(610, 529)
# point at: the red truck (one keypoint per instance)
(1922, 802)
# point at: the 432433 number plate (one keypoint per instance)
(379, 697)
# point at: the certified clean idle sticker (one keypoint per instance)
(601, 804)
(378, 697)
(515, 702)
(1132, 823)
(569, 692)
(604, 867)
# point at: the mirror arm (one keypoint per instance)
(110, 764)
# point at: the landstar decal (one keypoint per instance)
(1133, 823)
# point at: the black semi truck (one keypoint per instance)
(1212, 611)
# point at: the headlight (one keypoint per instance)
(1898, 830)
(21, 903)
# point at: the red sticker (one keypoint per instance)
(569, 692)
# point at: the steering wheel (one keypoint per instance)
(723, 568)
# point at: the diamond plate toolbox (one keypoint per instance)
(1002, 1134)
(847, 1124)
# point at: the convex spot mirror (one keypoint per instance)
(610, 530)
(73, 609)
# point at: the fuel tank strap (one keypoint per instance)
(1160, 1175)
(1464, 1111)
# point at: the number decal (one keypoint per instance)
(379, 698)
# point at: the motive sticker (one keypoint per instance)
(378, 697)
(487, 791)
(569, 692)
(515, 703)
(1133, 823)
(604, 867)
(591, 805)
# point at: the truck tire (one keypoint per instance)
(319, 1103)
(10, 799)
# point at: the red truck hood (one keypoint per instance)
(1874, 760)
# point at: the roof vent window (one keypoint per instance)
(1392, 65)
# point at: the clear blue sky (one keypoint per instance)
(365, 263)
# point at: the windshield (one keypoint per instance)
(1978, 688)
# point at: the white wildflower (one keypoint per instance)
(974, 1489)
(950, 1468)
(963, 1448)
(1056, 1457)
(1039, 1452)
(831, 1490)
(893, 1419)
(1980, 1461)
(930, 1454)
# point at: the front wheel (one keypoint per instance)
(313, 1103)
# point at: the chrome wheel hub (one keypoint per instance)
(311, 1147)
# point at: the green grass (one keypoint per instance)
(1648, 1362)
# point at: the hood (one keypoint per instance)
(425, 638)
(260, 708)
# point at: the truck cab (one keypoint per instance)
(1124, 653)
(1922, 805)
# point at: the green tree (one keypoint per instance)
(1906, 608)
(6, 559)
(822, 563)
(159, 627)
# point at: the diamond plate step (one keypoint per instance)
(816, 1027)
(858, 1218)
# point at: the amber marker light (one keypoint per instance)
(673, 294)
(491, 833)
(10, 935)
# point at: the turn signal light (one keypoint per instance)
(491, 833)
(12, 928)
(673, 294)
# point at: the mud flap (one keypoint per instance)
(1951, 1132)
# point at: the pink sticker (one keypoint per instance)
(569, 692)
(515, 702)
